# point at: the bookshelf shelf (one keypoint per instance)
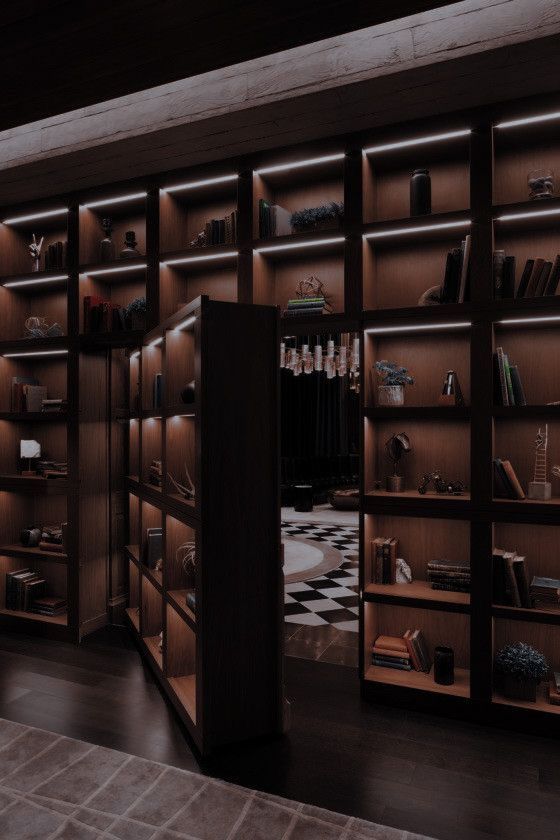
(152, 646)
(59, 620)
(34, 484)
(542, 705)
(185, 691)
(417, 412)
(418, 590)
(26, 553)
(419, 681)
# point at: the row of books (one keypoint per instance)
(539, 277)
(310, 306)
(407, 653)
(52, 469)
(273, 220)
(384, 559)
(55, 256)
(455, 288)
(508, 387)
(510, 583)
(217, 232)
(449, 577)
(506, 483)
(100, 315)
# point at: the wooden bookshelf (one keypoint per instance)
(375, 264)
(212, 652)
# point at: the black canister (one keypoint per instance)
(444, 665)
(420, 193)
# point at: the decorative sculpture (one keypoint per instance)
(452, 488)
(39, 328)
(404, 572)
(186, 490)
(396, 446)
(540, 488)
(35, 251)
(107, 246)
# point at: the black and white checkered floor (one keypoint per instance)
(331, 598)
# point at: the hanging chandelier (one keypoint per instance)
(342, 360)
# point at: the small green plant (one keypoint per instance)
(391, 374)
(311, 216)
(521, 662)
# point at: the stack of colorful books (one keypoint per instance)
(309, 306)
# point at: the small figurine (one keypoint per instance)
(35, 251)
(397, 446)
(129, 252)
(107, 246)
(539, 487)
(451, 488)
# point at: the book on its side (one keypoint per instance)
(513, 480)
(502, 375)
(552, 284)
(534, 278)
(524, 281)
(509, 386)
(508, 281)
(465, 264)
(391, 664)
(395, 643)
(518, 392)
(543, 279)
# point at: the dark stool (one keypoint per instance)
(303, 498)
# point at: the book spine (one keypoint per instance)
(397, 665)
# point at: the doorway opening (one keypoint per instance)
(320, 383)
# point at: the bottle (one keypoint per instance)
(444, 665)
(420, 193)
(107, 246)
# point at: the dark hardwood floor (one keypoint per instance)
(447, 779)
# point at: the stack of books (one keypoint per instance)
(100, 315)
(384, 560)
(545, 593)
(49, 606)
(455, 288)
(309, 306)
(27, 394)
(52, 539)
(554, 689)
(155, 475)
(449, 577)
(54, 406)
(506, 483)
(510, 583)
(273, 220)
(217, 232)
(52, 469)
(508, 388)
(404, 653)
(539, 277)
(23, 588)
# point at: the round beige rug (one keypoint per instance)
(307, 559)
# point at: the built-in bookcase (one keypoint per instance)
(376, 262)
(218, 658)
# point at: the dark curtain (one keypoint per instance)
(319, 416)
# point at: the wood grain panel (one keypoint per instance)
(180, 646)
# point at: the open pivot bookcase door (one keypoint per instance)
(210, 625)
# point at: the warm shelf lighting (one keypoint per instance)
(554, 115)
(36, 353)
(61, 211)
(32, 282)
(155, 342)
(530, 320)
(300, 164)
(420, 229)
(201, 258)
(184, 325)
(417, 141)
(511, 217)
(207, 182)
(118, 199)
(293, 245)
(135, 354)
(454, 325)
(117, 270)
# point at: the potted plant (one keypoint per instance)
(393, 381)
(522, 668)
(316, 218)
(136, 314)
